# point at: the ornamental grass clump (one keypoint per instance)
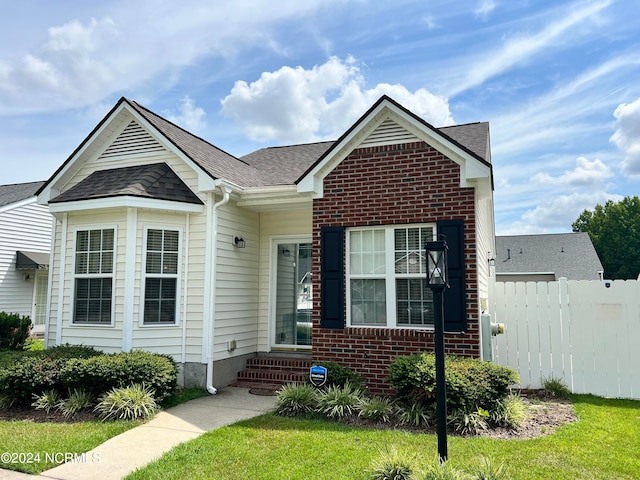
(340, 402)
(377, 408)
(296, 399)
(47, 400)
(127, 403)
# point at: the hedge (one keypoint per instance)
(75, 367)
(471, 383)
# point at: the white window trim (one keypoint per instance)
(390, 286)
(112, 275)
(144, 276)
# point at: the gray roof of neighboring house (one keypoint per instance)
(569, 255)
(156, 181)
(17, 192)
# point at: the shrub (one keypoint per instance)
(339, 402)
(47, 400)
(101, 373)
(14, 331)
(339, 375)
(376, 408)
(391, 465)
(556, 387)
(32, 376)
(127, 403)
(510, 412)
(470, 383)
(296, 399)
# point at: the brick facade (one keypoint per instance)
(393, 185)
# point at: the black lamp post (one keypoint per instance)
(437, 281)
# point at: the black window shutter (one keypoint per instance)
(455, 297)
(332, 277)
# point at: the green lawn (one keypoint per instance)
(43, 443)
(603, 444)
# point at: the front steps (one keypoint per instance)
(272, 372)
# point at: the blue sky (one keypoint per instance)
(558, 81)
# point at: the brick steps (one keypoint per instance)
(270, 373)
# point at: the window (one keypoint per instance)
(94, 276)
(386, 277)
(161, 277)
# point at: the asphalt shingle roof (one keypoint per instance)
(284, 165)
(18, 191)
(156, 181)
(569, 255)
(218, 163)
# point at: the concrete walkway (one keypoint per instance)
(121, 455)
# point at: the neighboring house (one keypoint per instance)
(25, 241)
(165, 242)
(545, 258)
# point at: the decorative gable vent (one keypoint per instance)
(133, 140)
(389, 133)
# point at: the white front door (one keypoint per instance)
(40, 286)
(292, 295)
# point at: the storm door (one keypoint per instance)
(293, 305)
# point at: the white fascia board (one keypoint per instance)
(53, 189)
(284, 195)
(471, 169)
(21, 203)
(124, 202)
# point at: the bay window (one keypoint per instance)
(161, 277)
(93, 275)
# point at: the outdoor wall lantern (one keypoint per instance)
(239, 242)
(437, 281)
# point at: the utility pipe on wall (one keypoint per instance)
(226, 191)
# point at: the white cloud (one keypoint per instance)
(585, 173)
(191, 118)
(484, 9)
(557, 213)
(627, 135)
(298, 105)
(521, 48)
(82, 62)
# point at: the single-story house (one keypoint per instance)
(164, 242)
(25, 241)
(546, 258)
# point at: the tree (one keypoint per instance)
(615, 232)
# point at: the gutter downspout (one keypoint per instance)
(213, 276)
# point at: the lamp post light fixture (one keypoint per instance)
(437, 281)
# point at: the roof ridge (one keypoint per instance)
(135, 104)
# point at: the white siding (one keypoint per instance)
(237, 286)
(485, 246)
(275, 225)
(25, 227)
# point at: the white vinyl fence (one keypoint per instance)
(583, 332)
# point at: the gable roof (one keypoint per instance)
(475, 161)
(156, 181)
(273, 166)
(216, 162)
(17, 192)
(570, 255)
(284, 165)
